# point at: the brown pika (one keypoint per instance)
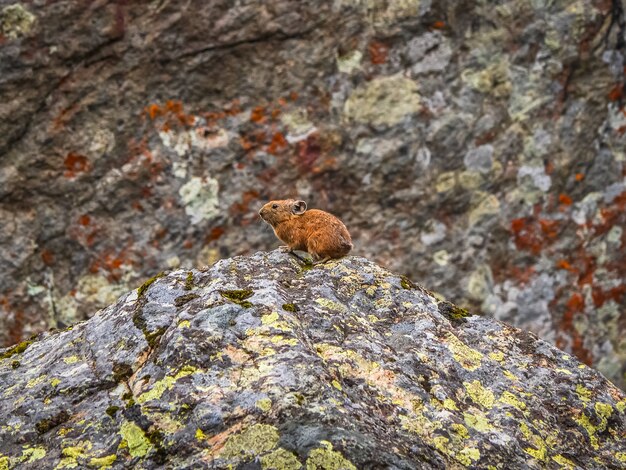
(317, 232)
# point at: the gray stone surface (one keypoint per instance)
(261, 362)
(476, 146)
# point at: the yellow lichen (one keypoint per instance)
(36, 381)
(330, 304)
(251, 442)
(509, 375)
(54, 382)
(460, 430)
(136, 440)
(167, 383)
(583, 421)
(184, 324)
(280, 459)
(337, 385)
(32, 454)
(583, 393)
(541, 452)
(4, 462)
(325, 458)
(264, 404)
(103, 462)
(564, 462)
(479, 394)
(467, 455)
(469, 358)
(269, 318)
(497, 356)
(510, 399)
(449, 404)
(200, 436)
(477, 421)
(71, 359)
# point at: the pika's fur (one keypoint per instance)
(317, 232)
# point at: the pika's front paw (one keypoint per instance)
(285, 249)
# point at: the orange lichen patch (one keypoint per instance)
(576, 302)
(74, 164)
(154, 111)
(574, 306)
(172, 112)
(47, 257)
(277, 144)
(188, 244)
(601, 296)
(485, 138)
(293, 96)
(84, 220)
(215, 234)
(257, 114)
(563, 264)
(439, 25)
(275, 113)
(253, 141)
(308, 151)
(527, 236)
(549, 227)
(617, 92)
(378, 52)
(565, 199)
(579, 176)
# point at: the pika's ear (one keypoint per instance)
(298, 207)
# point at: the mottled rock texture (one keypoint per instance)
(261, 362)
(477, 146)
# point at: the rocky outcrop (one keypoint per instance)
(476, 146)
(261, 362)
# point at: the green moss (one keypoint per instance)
(144, 287)
(136, 440)
(280, 459)
(238, 296)
(112, 410)
(251, 442)
(406, 283)
(45, 425)
(121, 372)
(189, 281)
(327, 459)
(183, 299)
(103, 462)
(17, 349)
(451, 311)
(290, 307)
(15, 364)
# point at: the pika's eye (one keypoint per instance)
(274, 206)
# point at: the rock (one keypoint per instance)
(142, 136)
(261, 362)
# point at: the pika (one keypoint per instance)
(317, 232)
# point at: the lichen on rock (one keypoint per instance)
(324, 369)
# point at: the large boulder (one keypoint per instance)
(262, 362)
(477, 146)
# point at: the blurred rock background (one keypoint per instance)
(475, 146)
